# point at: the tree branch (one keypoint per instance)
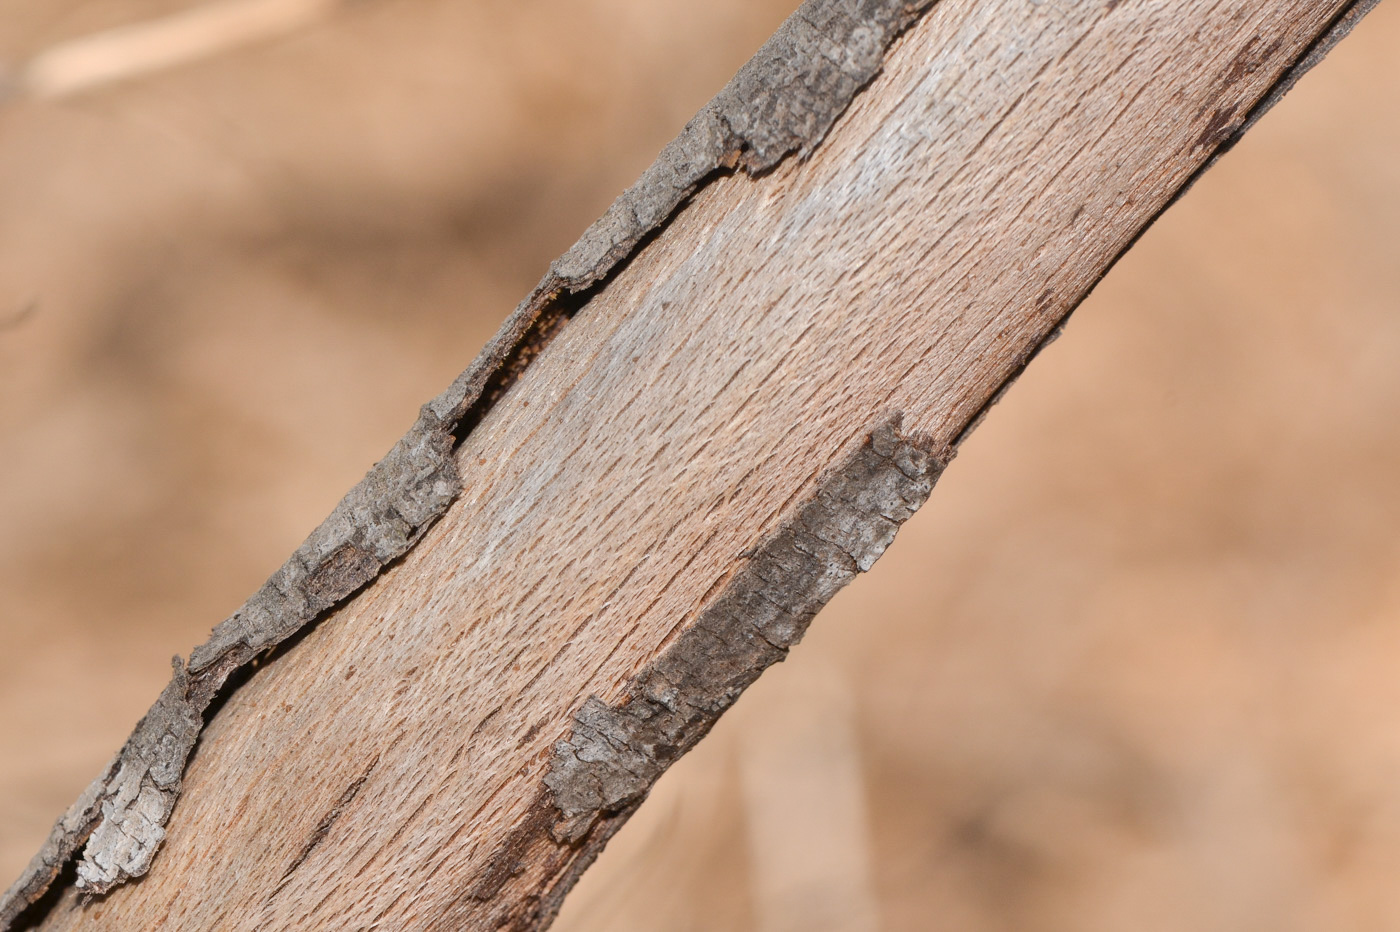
(704, 421)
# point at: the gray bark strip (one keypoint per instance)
(616, 752)
(783, 101)
(608, 764)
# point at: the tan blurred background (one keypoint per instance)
(1136, 665)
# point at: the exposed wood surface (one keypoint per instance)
(390, 768)
(783, 100)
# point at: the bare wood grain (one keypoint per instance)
(390, 769)
(783, 100)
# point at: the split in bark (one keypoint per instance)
(786, 101)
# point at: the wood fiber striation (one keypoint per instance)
(616, 752)
(783, 101)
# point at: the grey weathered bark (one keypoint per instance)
(659, 561)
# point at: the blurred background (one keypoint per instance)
(1136, 665)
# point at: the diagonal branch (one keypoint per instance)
(713, 412)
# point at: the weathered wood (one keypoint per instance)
(783, 100)
(686, 469)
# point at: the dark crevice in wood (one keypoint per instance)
(323, 828)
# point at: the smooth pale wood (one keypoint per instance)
(969, 199)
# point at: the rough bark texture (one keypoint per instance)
(616, 752)
(836, 336)
(783, 101)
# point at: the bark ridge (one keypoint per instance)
(783, 101)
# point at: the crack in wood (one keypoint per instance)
(783, 101)
(616, 751)
(323, 828)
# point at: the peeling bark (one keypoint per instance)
(616, 752)
(782, 101)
